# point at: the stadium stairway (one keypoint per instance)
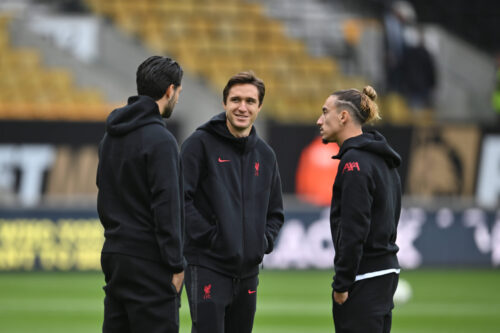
(352, 37)
(318, 23)
(334, 29)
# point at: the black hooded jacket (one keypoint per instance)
(233, 200)
(140, 201)
(365, 210)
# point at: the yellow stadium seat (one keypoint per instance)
(217, 38)
(28, 90)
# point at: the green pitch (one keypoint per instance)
(289, 301)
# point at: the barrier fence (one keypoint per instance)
(46, 160)
(63, 240)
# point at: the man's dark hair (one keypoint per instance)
(156, 74)
(361, 105)
(244, 78)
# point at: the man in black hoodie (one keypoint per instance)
(364, 215)
(234, 210)
(140, 204)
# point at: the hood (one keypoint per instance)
(373, 142)
(217, 126)
(139, 111)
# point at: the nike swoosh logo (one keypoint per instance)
(252, 291)
(222, 161)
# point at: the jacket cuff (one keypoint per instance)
(340, 287)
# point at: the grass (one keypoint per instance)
(289, 301)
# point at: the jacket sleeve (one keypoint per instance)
(275, 216)
(165, 183)
(193, 163)
(356, 202)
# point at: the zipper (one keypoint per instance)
(242, 166)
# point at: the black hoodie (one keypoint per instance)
(140, 201)
(233, 201)
(366, 205)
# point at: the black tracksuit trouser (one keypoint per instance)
(368, 307)
(140, 296)
(220, 303)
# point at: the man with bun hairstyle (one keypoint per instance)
(365, 209)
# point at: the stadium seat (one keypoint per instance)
(217, 38)
(28, 90)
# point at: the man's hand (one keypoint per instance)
(340, 298)
(177, 280)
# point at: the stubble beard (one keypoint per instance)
(168, 109)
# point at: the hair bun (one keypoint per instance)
(370, 92)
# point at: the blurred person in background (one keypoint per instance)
(365, 209)
(418, 71)
(140, 204)
(398, 15)
(234, 210)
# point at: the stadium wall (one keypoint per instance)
(448, 160)
(63, 240)
(48, 219)
(451, 160)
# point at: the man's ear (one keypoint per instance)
(170, 91)
(343, 115)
